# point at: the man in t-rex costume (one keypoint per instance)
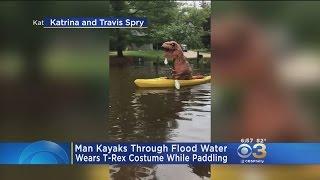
(181, 67)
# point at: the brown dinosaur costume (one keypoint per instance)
(181, 67)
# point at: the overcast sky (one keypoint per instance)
(193, 3)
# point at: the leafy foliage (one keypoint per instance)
(187, 27)
(167, 21)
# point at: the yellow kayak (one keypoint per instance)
(163, 82)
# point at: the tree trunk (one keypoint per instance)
(119, 52)
(120, 42)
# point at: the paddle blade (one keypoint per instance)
(165, 61)
(177, 84)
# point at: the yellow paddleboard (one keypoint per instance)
(163, 82)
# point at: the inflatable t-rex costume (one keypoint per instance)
(181, 67)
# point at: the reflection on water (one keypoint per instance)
(157, 115)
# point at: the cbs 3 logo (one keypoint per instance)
(257, 150)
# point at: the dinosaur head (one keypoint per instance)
(172, 50)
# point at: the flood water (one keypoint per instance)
(157, 115)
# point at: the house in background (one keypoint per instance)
(139, 46)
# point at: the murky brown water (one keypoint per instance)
(157, 115)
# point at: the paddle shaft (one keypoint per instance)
(176, 82)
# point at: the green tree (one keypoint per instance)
(157, 14)
(189, 25)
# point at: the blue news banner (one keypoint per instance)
(48, 152)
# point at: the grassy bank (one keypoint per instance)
(150, 54)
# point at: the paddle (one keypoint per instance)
(176, 82)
